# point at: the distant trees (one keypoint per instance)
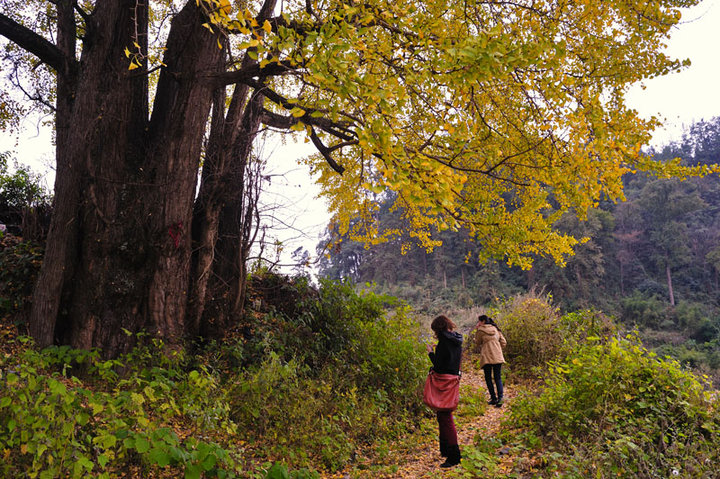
(661, 241)
(24, 202)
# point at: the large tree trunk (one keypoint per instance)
(60, 248)
(223, 219)
(180, 113)
(118, 253)
(94, 109)
(234, 224)
(214, 188)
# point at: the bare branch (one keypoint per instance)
(249, 73)
(325, 152)
(35, 44)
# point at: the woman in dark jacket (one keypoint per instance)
(446, 360)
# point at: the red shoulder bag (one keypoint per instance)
(442, 391)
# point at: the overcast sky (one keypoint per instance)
(692, 94)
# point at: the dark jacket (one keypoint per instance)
(448, 352)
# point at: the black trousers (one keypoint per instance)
(492, 372)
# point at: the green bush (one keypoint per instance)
(297, 417)
(576, 327)
(353, 377)
(615, 409)
(19, 266)
(390, 362)
(643, 311)
(531, 326)
(535, 331)
(53, 424)
(368, 340)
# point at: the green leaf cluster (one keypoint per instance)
(19, 266)
(611, 408)
(19, 188)
(53, 424)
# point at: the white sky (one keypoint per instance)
(677, 99)
(694, 93)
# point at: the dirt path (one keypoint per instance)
(426, 460)
(417, 456)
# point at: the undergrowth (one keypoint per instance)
(226, 412)
(613, 409)
(309, 386)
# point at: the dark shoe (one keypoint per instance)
(499, 403)
(450, 463)
(492, 401)
(453, 458)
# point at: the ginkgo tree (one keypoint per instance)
(491, 116)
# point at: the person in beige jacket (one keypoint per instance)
(490, 341)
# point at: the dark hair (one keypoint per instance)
(488, 320)
(442, 323)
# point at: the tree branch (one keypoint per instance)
(276, 120)
(325, 152)
(336, 128)
(34, 43)
(252, 71)
(285, 122)
(85, 15)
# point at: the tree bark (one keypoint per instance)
(214, 187)
(92, 115)
(180, 113)
(118, 251)
(60, 248)
(222, 219)
(670, 286)
(235, 219)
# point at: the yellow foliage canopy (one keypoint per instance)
(496, 117)
(491, 116)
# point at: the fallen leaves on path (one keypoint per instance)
(417, 455)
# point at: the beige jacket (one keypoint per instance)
(489, 341)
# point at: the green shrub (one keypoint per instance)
(301, 418)
(303, 410)
(19, 265)
(531, 326)
(643, 311)
(390, 362)
(319, 326)
(368, 340)
(615, 409)
(536, 332)
(53, 424)
(577, 326)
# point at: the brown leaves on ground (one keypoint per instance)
(417, 455)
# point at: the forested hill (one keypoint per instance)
(652, 261)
